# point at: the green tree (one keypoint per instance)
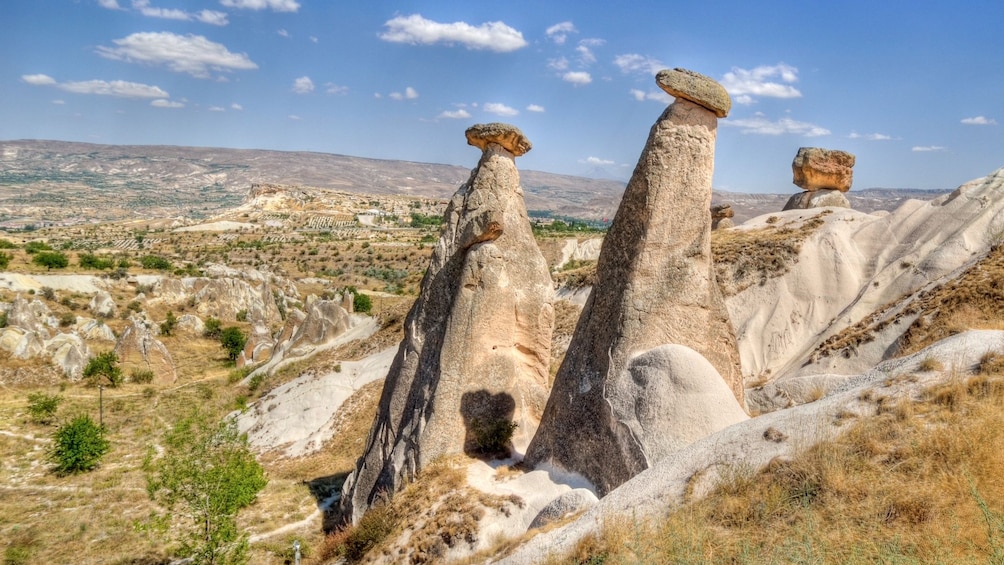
(78, 446)
(33, 247)
(155, 262)
(210, 473)
(42, 407)
(167, 326)
(104, 365)
(362, 303)
(50, 259)
(213, 328)
(92, 261)
(233, 340)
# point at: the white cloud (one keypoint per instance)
(559, 32)
(578, 78)
(59, 102)
(283, 33)
(38, 80)
(303, 85)
(500, 109)
(927, 148)
(559, 64)
(217, 109)
(110, 4)
(595, 161)
(586, 56)
(294, 117)
(165, 13)
(455, 114)
(192, 54)
(212, 17)
(275, 5)
(743, 84)
(870, 136)
(163, 103)
(635, 63)
(759, 124)
(979, 121)
(655, 95)
(416, 30)
(535, 108)
(409, 94)
(236, 106)
(332, 88)
(313, 39)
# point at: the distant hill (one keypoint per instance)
(57, 182)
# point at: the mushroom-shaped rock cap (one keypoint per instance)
(508, 136)
(699, 89)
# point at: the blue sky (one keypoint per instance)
(914, 89)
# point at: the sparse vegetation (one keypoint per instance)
(167, 326)
(155, 262)
(492, 437)
(42, 407)
(104, 365)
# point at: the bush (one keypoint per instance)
(492, 436)
(67, 319)
(48, 293)
(167, 326)
(242, 316)
(233, 341)
(141, 376)
(4, 260)
(155, 262)
(213, 329)
(6, 244)
(362, 303)
(33, 247)
(78, 446)
(104, 365)
(92, 261)
(42, 407)
(50, 260)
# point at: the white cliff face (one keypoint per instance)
(477, 340)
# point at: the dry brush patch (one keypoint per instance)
(918, 482)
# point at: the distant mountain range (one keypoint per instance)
(69, 182)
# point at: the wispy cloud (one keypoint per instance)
(110, 4)
(635, 63)
(586, 56)
(192, 54)
(303, 85)
(654, 95)
(559, 64)
(275, 5)
(212, 17)
(164, 103)
(869, 136)
(283, 33)
(459, 114)
(979, 121)
(596, 161)
(294, 117)
(217, 109)
(500, 109)
(416, 30)
(119, 88)
(743, 84)
(535, 108)
(759, 124)
(236, 106)
(164, 13)
(332, 88)
(558, 33)
(59, 102)
(927, 148)
(578, 78)
(408, 94)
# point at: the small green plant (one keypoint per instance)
(362, 303)
(104, 365)
(78, 446)
(213, 328)
(255, 382)
(6, 244)
(141, 376)
(242, 316)
(238, 375)
(3, 319)
(4, 260)
(92, 261)
(492, 436)
(167, 326)
(42, 407)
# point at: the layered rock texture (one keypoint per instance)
(655, 286)
(825, 175)
(477, 340)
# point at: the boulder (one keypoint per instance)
(699, 89)
(10, 337)
(325, 321)
(89, 328)
(570, 502)
(138, 349)
(655, 285)
(31, 344)
(102, 305)
(817, 199)
(477, 340)
(69, 353)
(192, 324)
(721, 217)
(28, 316)
(815, 168)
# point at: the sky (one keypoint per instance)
(914, 89)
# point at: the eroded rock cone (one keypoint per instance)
(655, 286)
(477, 340)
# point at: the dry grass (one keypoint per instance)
(919, 482)
(744, 258)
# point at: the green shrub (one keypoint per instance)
(42, 407)
(242, 316)
(155, 262)
(238, 375)
(167, 326)
(7, 244)
(104, 365)
(78, 446)
(492, 437)
(141, 376)
(33, 247)
(255, 382)
(233, 341)
(92, 261)
(3, 319)
(362, 303)
(50, 260)
(213, 328)
(67, 319)
(4, 260)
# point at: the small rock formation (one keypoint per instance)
(138, 349)
(477, 340)
(721, 217)
(192, 324)
(325, 321)
(69, 353)
(825, 174)
(28, 316)
(89, 328)
(655, 286)
(102, 305)
(575, 500)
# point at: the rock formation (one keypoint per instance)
(102, 305)
(477, 340)
(655, 286)
(825, 174)
(721, 217)
(137, 348)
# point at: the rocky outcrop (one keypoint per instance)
(815, 168)
(325, 321)
(477, 340)
(137, 349)
(817, 199)
(655, 286)
(69, 353)
(721, 217)
(102, 305)
(192, 324)
(28, 316)
(89, 328)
